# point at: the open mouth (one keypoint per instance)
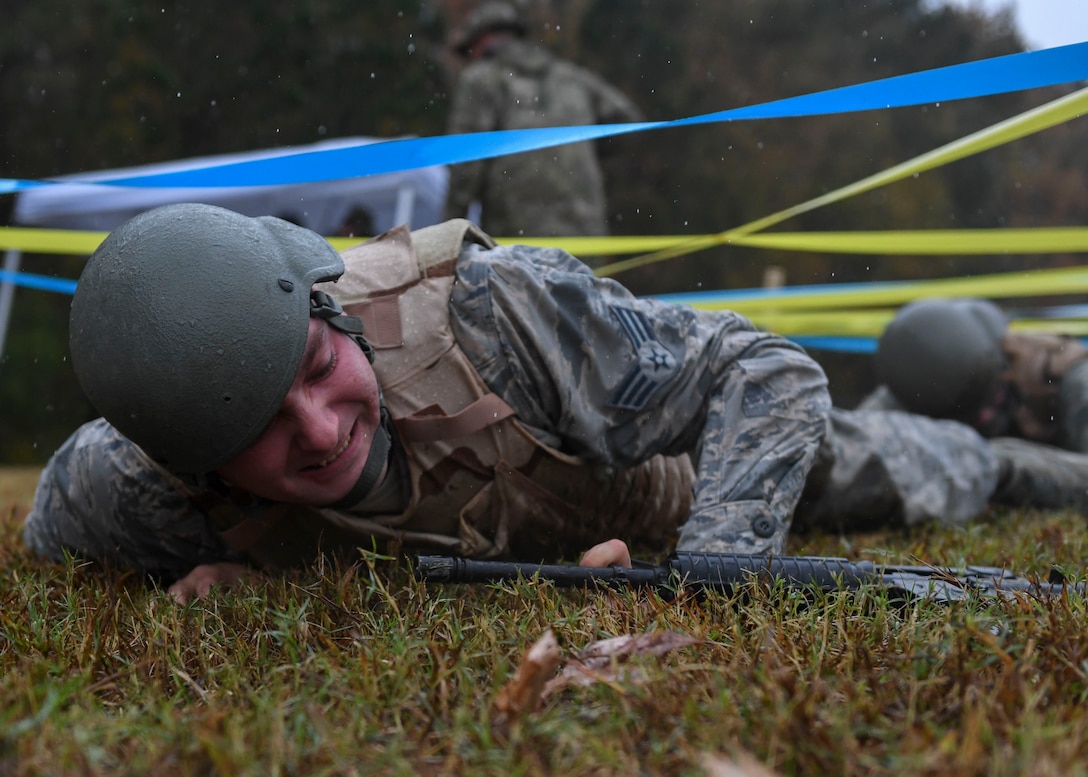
(336, 454)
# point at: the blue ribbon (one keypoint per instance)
(12, 185)
(832, 343)
(840, 343)
(41, 282)
(999, 75)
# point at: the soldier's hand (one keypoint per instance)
(200, 582)
(606, 554)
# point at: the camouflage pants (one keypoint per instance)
(882, 468)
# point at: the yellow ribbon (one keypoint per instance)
(934, 242)
(1053, 113)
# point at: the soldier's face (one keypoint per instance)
(995, 417)
(316, 446)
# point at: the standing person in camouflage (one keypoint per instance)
(1026, 392)
(510, 83)
(453, 395)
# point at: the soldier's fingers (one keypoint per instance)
(609, 553)
(182, 591)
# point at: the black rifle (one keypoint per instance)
(724, 572)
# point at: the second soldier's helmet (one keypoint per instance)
(491, 16)
(188, 326)
(943, 357)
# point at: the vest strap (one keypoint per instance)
(431, 424)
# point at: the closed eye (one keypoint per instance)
(329, 367)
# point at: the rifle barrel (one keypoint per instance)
(698, 570)
(723, 572)
(451, 569)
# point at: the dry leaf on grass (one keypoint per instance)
(605, 661)
(522, 694)
(740, 765)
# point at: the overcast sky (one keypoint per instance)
(1043, 23)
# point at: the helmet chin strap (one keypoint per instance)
(328, 309)
(380, 447)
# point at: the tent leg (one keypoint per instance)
(402, 213)
(12, 259)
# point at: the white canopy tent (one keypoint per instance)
(413, 197)
(375, 203)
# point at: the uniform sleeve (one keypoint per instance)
(881, 398)
(99, 498)
(611, 106)
(474, 109)
(604, 375)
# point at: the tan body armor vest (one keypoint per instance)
(1037, 365)
(482, 484)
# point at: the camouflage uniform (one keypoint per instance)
(1040, 453)
(881, 469)
(589, 368)
(1047, 376)
(555, 191)
(100, 497)
(603, 376)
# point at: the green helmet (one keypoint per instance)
(489, 17)
(188, 326)
(943, 357)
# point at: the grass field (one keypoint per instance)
(337, 671)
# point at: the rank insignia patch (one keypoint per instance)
(655, 364)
